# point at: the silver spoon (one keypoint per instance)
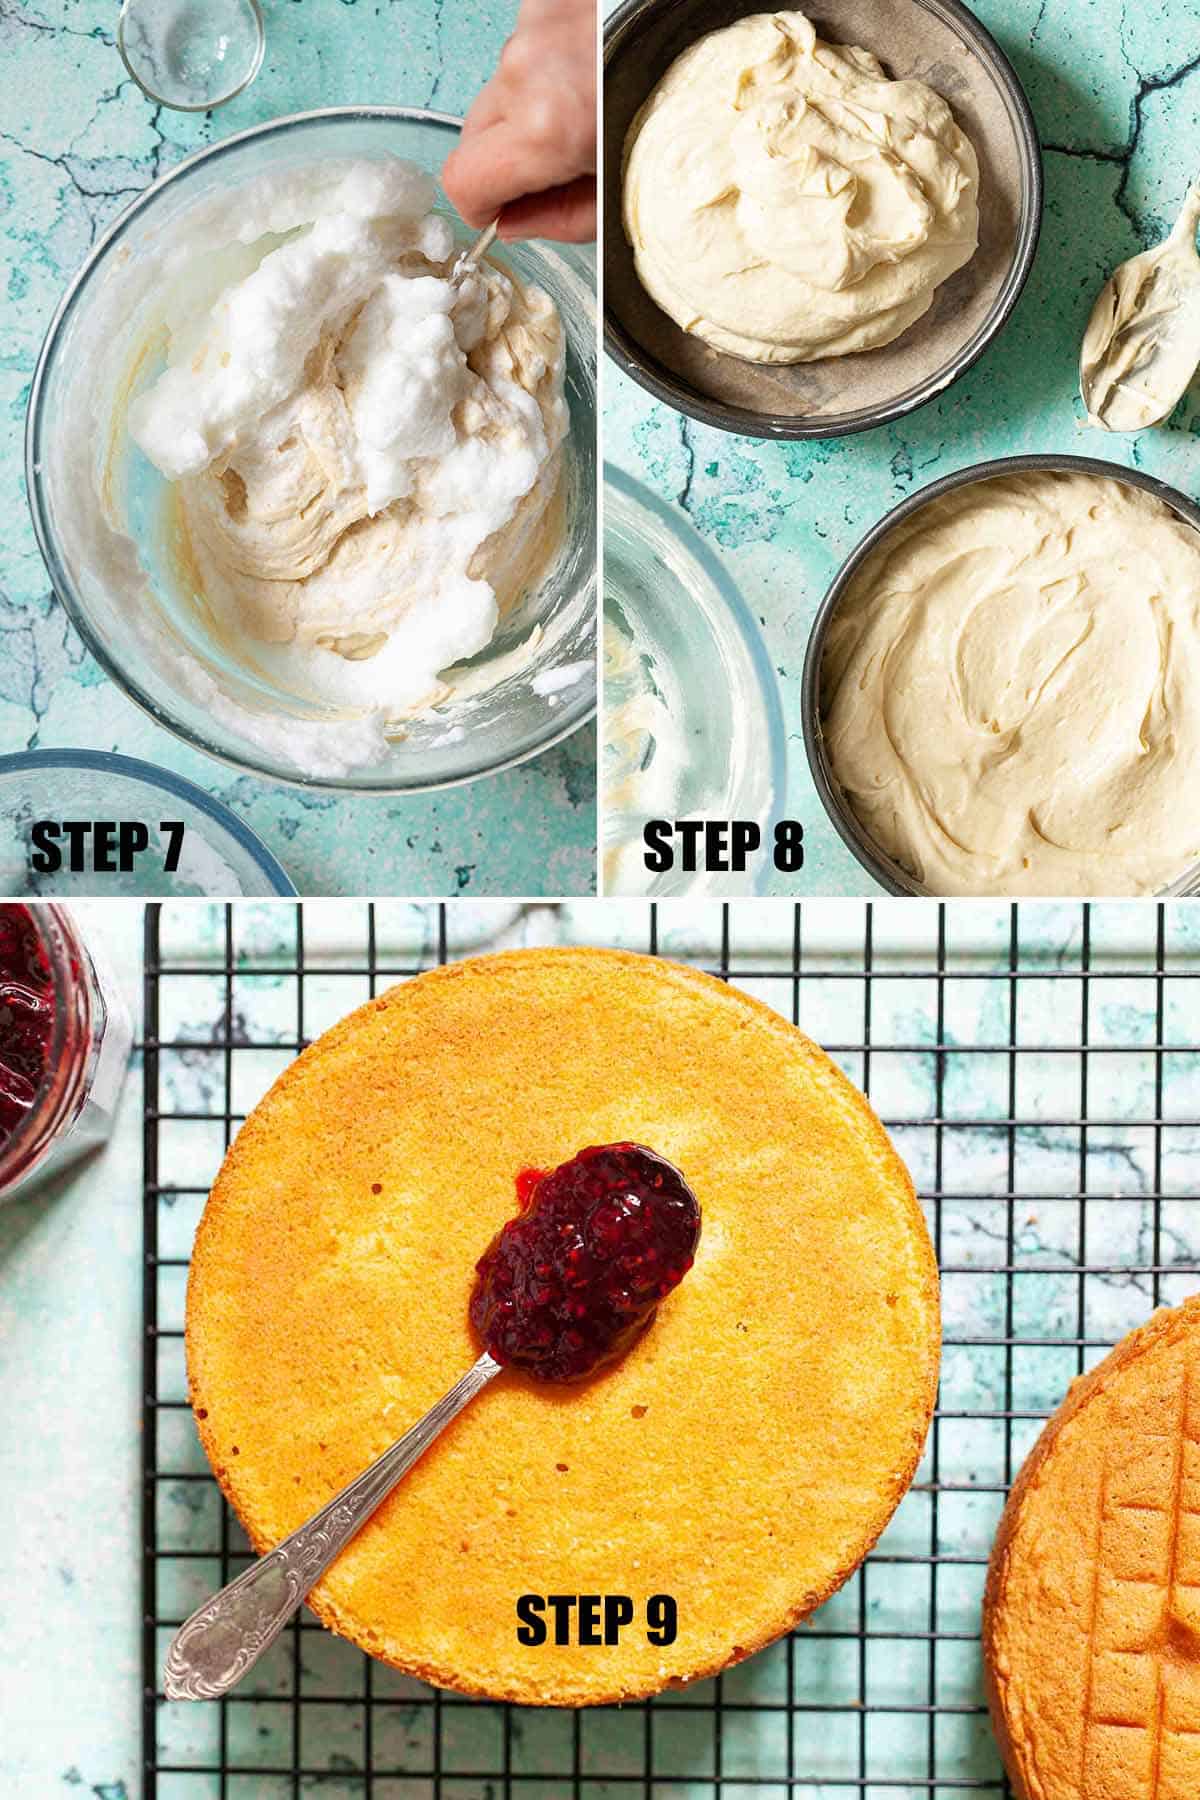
(1142, 345)
(225, 1637)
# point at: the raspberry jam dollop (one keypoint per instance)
(576, 1277)
(26, 1016)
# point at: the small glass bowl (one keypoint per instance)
(692, 653)
(221, 858)
(98, 505)
(192, 55)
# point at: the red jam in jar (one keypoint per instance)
(26, 1016)
(576, 1277)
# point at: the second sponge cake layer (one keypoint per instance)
(1092, 1615)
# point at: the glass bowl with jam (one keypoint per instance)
(65, 1038)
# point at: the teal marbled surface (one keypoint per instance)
(78, 139)
(1115, 89)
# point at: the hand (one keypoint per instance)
(528, 148)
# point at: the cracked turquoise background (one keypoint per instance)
(1115, 88)
(78, 139)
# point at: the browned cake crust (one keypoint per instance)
(745, 1454)
(1091, 1622)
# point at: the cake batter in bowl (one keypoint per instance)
(318, 500)
(785, 201)
(843, 386)
(1002, 687)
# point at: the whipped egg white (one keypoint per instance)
(362, 443)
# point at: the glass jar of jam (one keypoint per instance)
(65, 1038)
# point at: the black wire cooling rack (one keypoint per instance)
(1036, 1068)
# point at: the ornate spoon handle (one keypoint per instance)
(226, 1636)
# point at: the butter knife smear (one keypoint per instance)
(1142, 345)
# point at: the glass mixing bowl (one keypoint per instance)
(99, 506)
(219, 857)
(693, 726)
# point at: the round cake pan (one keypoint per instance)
(937, 41)
(890, 876)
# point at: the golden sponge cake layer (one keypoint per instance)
(742, 1457)
(1092, 1613)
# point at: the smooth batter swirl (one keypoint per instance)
(1010, 690)
(786, 201)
